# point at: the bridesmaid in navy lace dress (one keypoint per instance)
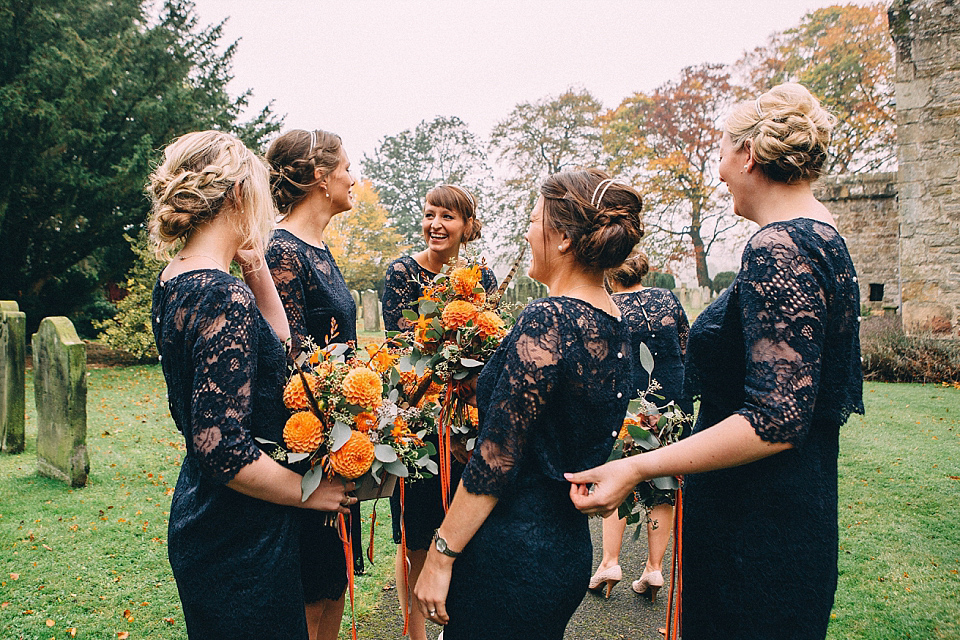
(234, 532)
(776, 363)
(311, 183)
(449, 222)
(656, 319)
(512, 557)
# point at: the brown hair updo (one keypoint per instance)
(294, 158)
(202, 173)
(788, 132)
(601, 233)
(463, 202)
(632, 271)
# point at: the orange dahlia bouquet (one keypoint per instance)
(456, 328)
(648, 426)
(351, 418)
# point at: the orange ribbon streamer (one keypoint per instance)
(443, 442)
(406, 572)
(675, 605)
(348, 553)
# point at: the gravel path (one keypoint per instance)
(625, 615)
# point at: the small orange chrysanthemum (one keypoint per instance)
(365, 421)
(465, 280)
(294, 396)
(354, 458)
(458, 313)
(362, 387)
(303, 432)
(489, 324)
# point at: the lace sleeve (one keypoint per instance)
(286, 270)
(528, 362)
(783, 307)
(225, 363)
(399, 292)
(683, 324)
(488, 280)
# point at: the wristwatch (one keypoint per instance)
(441, 545)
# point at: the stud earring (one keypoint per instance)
(745, 167)
(328, 195)
(560, 247)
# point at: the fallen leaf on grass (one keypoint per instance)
(72, 632)
(123, 635)
(14, 576)
(48, 548)
(4, 605)
(50, 622)
(170, 620)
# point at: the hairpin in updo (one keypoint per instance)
(313, 140)
(759, 110)
(604, 184)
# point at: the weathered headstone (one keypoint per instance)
(371, 310)
(13, 330)
(356, 301)
(60, 389)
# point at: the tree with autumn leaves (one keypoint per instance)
(362, 241)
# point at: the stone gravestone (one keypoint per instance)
(371, 310)
(13, 332)
(60, 388)
(356, 300)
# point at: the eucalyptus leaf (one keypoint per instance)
(376, 466)
(311, 480)
(471, 443)
(421, 366)
(646, 358)
(394, 376)
(300, 359)
(296, 457)
(460, 375)
(432, 467)
(404, 364)
(339, 436)
(470, 362)
(397, 468)
(264, 441)
(337, 349)
(384, 453)
(427, 307)
(410, 315)
(394, 394)
(431, 450)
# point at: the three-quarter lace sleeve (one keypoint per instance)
(400, 290)
(225, 363)
(530, 363)
(783, 309)
(287, 271)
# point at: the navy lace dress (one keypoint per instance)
(552, 400)
(318, 305)
(236, 559)
(781, 348)
(423, 504)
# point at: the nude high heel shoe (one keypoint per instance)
(649, 584)
(609, 576)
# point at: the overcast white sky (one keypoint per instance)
(370, 68)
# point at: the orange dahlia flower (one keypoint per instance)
(458, 313)
(294, 397)
(465, 280)
(364, 421)
(303, 432)
(489, 324)
(362, 387)
(354, 458)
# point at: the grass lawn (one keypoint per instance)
(94, 559)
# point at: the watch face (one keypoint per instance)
(441, 545)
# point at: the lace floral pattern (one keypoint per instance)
(225, 368)
(312, 289)
(657, 319)
(551, 399)
(403, 286)
(781, 347)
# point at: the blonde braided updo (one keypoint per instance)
(294, 158)
(203, 174)
(788, 130)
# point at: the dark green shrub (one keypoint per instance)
(723, 280)
(889, 355)
(130, 329)
(659, 279)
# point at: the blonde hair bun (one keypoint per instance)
(789, 132)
